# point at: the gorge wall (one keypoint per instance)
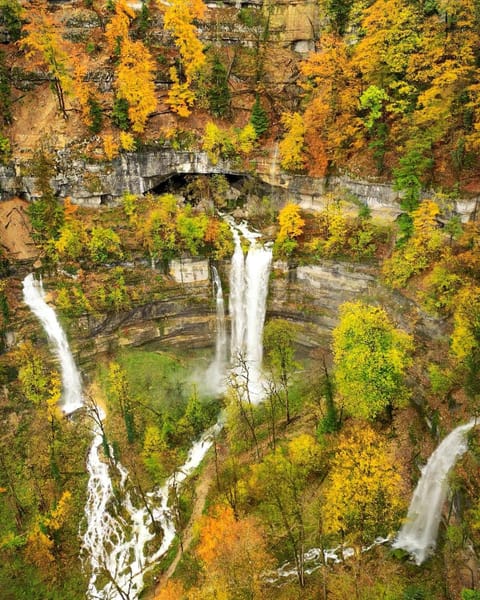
(309, 296)
(96, 183)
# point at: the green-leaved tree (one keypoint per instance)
(371, 357)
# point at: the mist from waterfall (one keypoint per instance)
(418, 535)
(249, 278)
(117, 534)
(34, 298)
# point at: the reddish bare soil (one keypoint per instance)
(15, 231)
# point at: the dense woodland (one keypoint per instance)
(331, 455)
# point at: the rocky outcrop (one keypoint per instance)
(294, 23)
(311, 297)
(190, 270)
(184, 318)
(93, 184)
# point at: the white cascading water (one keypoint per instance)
(419, 533)
(34, 297)
(248, 297)
(216, 372)
(117, 533)
(115, 545)
(236, 300)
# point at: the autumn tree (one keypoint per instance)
(158, 232)
(218, 239)
(465, 339)
(135, 82)
(361, 498)
(291, 148)
(11, 14)
(279, 483)
(104, 245)
(278, 342)
(191, 231)
(234, 555)
(331, 122)
(291, 227)
(40, 547)
(43, 41)
(178, 18)
(72, 240)
(173, 590)
(443, 67)
(420, 250)
(371, 357)
(46, 213)
(116, 30)
(391, 36)
(121, 398)
(228, 144)
(37, 382)
(64, 61)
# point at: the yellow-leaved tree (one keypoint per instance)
(179, 17)
(291, 227)
(116, 30)
(292, 146)
(40, 545)
(135, 82)
(181, 97)
(46, 47)
(418, 252)
(466, 332)
(371, 357)
(362, 499)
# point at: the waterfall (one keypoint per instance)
(217, 370)
(236, 305)
(34, 297)
(419, 533)
(248, 297)
(118, 535)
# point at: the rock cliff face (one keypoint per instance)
(309, 296)
(94, 184)
(184, 318)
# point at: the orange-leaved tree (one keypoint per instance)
(331, 120)
(234, 555)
